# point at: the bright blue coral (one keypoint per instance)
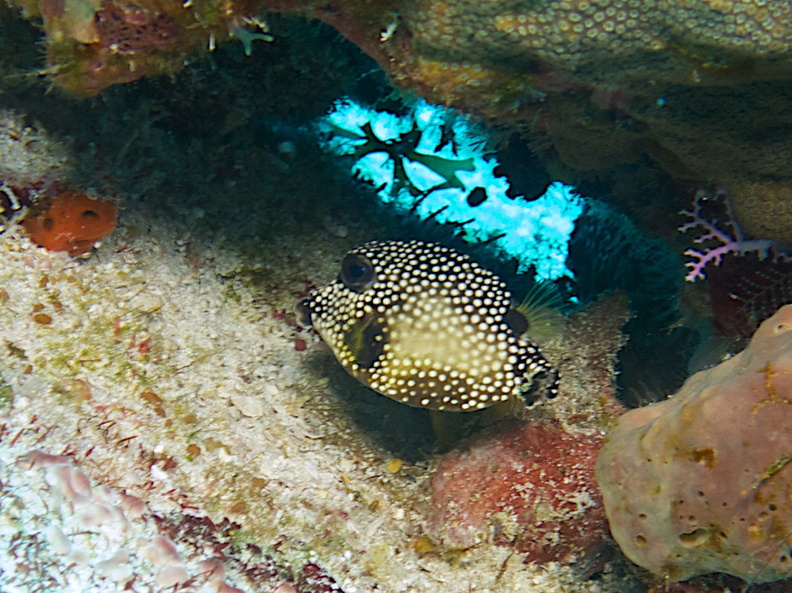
(432, 163)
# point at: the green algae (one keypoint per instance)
(6, 395)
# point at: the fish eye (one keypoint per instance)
(357, 272)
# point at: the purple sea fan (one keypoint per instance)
(721, 237)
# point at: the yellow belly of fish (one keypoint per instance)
(441, 338)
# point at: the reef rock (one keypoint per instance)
(698, 87)
(702, 482)
(530, 486)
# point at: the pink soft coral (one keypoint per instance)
(729, 235)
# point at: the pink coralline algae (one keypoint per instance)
(528, 486)
(702, 482)
(720, 238)
(80, 535)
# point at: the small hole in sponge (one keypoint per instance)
(48, 223)
(640, 541)
(90, 214)
(694, 539)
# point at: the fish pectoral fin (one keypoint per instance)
(366, 339)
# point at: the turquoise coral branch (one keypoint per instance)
(431, 163)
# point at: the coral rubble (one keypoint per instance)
(701, 482)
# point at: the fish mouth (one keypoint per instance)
(543, 384)
(304, 312)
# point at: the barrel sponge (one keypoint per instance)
(702, 482)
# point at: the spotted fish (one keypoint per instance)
(429, 327)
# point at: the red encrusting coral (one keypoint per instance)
(127, 43)
(73, 223)
(127, 29)
(530, 486)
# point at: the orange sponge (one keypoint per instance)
(73, 223)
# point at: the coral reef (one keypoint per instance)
(91, 45)
(163, 371)
(619, 78)
(764, 209)
(579, 36)
(700, 483)
(600, 83)
(168, 366)
(530, 486)
(165, 368)
(597, 83)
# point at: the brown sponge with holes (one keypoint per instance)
(702, 482)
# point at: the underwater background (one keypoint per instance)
(175, 177)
